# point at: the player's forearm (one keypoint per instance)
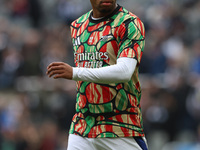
(121, 72)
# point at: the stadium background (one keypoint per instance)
(35, 111)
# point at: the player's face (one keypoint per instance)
(102, 7)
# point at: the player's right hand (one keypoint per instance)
(59, 70)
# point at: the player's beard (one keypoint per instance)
(107, 10)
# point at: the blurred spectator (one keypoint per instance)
(30, 52)
(35, 13)
(195, 63)
(19, 7)
(69, 10)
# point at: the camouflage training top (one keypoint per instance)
(107, 110)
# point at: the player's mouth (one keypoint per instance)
(106, 3)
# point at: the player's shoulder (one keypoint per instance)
(81, 19)
(127, 15)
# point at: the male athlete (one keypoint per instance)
(108, 43)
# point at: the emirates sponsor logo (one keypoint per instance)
(90, 59)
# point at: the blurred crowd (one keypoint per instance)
(35, 111)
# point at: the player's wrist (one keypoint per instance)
(75, 73)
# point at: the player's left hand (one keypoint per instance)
(60, 70)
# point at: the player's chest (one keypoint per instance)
(95, 45)
(91, 37)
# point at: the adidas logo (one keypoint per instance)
(77, 41)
